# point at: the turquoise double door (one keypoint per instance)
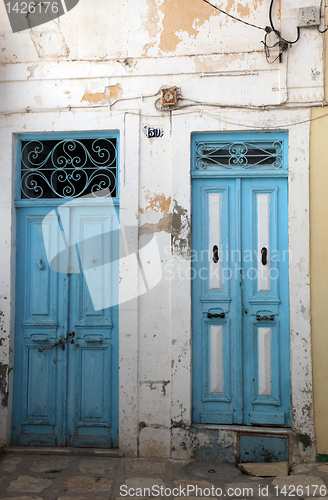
(66, 343)
(240, 301)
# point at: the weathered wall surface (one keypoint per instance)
(100, 67)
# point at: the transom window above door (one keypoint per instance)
(68, 168)
(239, 153)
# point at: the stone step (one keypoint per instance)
(263, 470)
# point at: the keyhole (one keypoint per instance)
(264, 253)
(215, 254)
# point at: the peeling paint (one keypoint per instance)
(186, 17)
(181, 231)
(164, 224)
(157, 203)
(305, 439)
(183, 16)
(243, 10)
(214, 445)
(31, 70)
(3, 383)
(111, 93)
(128, 63)
(165, 383)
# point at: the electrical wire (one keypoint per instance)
(237, 18)
(277, 33)
(268, 47)
(265, 127)
(322, 31)
(176, 112)
(238, 124)
(282, 44)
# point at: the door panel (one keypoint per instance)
(36, 375)
(93, 358)
(240, 301)
(66, 393)
(216, 385)
(265, 301)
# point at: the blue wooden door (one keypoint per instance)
(66, 344)
(240, 304)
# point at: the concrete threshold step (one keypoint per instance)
(49, 450)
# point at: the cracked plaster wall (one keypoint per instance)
(95, 55)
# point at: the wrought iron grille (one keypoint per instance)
(68, 168)
(244, 155)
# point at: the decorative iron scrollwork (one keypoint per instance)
(68, 168)
(245, 155)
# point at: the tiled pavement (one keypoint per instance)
(53, 477)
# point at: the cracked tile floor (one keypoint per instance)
(52, 477)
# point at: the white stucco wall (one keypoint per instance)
(100, 68)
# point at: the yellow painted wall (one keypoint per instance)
(319, 271)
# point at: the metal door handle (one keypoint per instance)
(264, 258)
(215, 254)
(40, 264)
(60, 342)
(264, 318)
(216, 315)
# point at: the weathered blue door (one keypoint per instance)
(240, 280)
(66, 343)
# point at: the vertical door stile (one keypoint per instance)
(239, 271)
(63, 214)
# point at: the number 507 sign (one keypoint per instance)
(25, 15)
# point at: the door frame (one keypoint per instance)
(299, 298)
(62, 435)
(128, 129)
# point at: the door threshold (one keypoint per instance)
(245, 429)
(52, 450)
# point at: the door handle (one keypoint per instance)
(59, 342)
(264, 256)
(215, 315)
(215, 254)
(264, 318)
(40, 264)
